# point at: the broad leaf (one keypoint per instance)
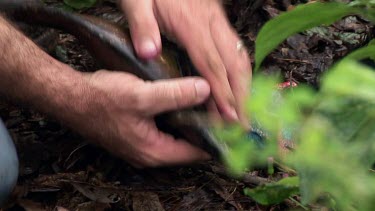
(301, 18)
(352, 80)
(274, 193)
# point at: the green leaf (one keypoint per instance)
(80, 4)
(301, 18)
(352, 80)
(273, 193)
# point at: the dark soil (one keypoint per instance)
(59, 170)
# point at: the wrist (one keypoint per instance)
(69, 98)
(80, 105)
(31, 77)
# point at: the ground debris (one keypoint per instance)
(146, 201)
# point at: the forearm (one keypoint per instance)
(30, 76)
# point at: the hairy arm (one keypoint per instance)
(30, 76)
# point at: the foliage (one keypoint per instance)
(273, 193)
(335, 138)
(304, 17)
(333, 129)
(80, 4)
(301, 18)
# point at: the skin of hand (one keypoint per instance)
(129, 107)
(202, 28)
(112, 109)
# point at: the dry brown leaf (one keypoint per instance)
(97, 194)
(146, 201)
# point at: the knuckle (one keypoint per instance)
(237, 66)
(144, 161)
(178, 97)
(138, 22)
(148, 154)
(215, 65)
(136, 101)
(217, 11)
(99, 75)
(142, 132)
(172, 92)
(139, 99)
(163, 92)
(210, 63)
(183, 14)
(151, 159)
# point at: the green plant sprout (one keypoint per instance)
(333, 129)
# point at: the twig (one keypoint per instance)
(246, 178)
(294, 60)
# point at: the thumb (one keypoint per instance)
(144, 28)
(172, 94)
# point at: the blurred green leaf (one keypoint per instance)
(335, 138)
(350, 79)
(326, 165)
(301, 18)
(240, 158)
(273, 193)
(80, 4)
(333, 129)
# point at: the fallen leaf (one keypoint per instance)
(195, 200)
(92, 206)
(98, 194)
(221, 186)
(146, 201)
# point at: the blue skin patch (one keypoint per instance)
(8, 164)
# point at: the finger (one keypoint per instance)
(172, 94)
(236, 61)
(241, 89)
(177, 152)
(213, 112)
(241, 93)
(207, 60)
(165, 150)
(143, 26)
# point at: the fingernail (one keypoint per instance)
(202, 89)
(233, 114)
(148, 49)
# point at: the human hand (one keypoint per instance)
(202, 28)
(113, 109)
(121, 117)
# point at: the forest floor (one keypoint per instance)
(59, 170)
